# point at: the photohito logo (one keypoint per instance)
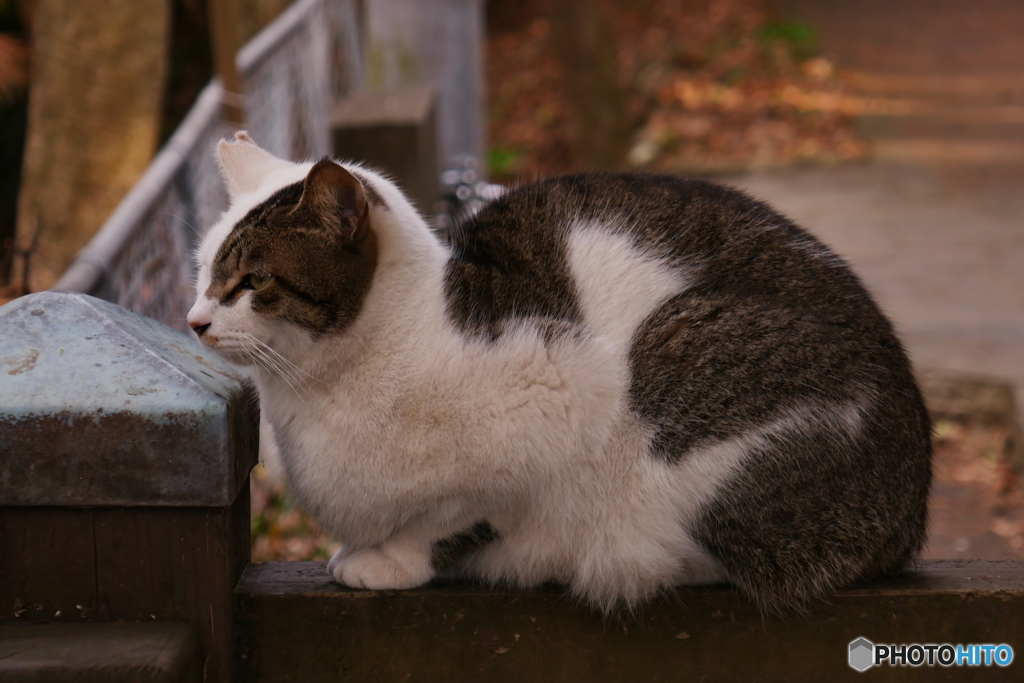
(864, 654)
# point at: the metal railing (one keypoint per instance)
(292, 73)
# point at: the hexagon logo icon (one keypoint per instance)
(862, 654)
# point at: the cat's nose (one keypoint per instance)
(198, 322)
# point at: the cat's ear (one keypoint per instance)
(244, 164)
(337, 199)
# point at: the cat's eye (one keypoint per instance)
(253, 281)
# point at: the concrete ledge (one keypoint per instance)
(100, 406)
(111, 653)
(293, 618)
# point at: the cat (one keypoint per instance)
(617, 382)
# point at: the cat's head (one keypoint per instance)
(292, 258)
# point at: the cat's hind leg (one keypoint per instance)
(397, 565)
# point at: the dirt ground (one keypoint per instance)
(977, 509)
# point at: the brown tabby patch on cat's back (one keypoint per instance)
(315, 241)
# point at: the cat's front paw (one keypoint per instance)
(374, 569)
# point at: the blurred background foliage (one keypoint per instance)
(280, 529)
(692, 86)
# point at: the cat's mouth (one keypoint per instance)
(228, 351)
(235, 357)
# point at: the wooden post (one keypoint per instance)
(438, 42)
(588, 55)
(157, 652)
(126, 451)
(294, 617)
(395, 131)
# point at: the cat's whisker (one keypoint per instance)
(277, 354)
(182, 219)
(257, 358)
(281, 365)
(268, 363)
(261, 348)
(283, 371)
(251, 357)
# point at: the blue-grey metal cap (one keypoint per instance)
(102, 406)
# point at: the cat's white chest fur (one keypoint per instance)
(440, 419)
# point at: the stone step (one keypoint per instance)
(159, 652)
(940, 119)
(1004, 123)
(947, 152)
(978, 90)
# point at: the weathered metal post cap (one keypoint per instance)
(102, 406)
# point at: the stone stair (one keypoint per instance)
(944, 78)
(954, 119)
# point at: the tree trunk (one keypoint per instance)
(588, 54)
(98, 73)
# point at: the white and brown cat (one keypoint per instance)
(619, 382)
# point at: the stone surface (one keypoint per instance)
(107, 653)
(101, 406)
(950, 73)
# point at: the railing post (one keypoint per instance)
(125, 452)
(439, 42)
(395, 131)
